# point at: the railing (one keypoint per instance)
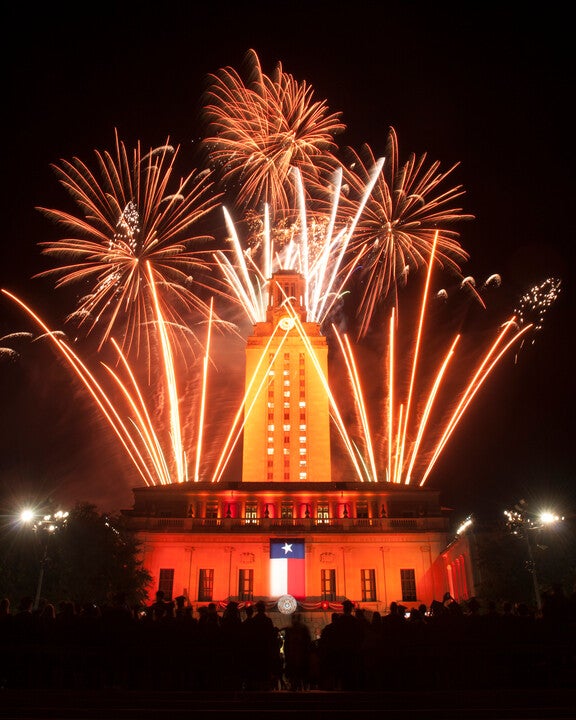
(353, 525)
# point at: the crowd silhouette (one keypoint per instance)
(170, 646)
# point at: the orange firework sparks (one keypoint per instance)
(134, 243)
(406, 209)
(135, 430)
(317, 253)
(129, 217)
(413, 442)
(262, 128)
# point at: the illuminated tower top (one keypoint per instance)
(286, 296)
(287, 421)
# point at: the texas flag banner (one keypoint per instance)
(287, 568)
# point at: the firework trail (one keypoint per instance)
(131, 218)
(262, 127)
(415, 425)
(134, 244)
(136, 428)
(315, 250)
(407, 208)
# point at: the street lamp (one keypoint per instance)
(48, 525)
(521, 524)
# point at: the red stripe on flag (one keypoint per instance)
(296, 578)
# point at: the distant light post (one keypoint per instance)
(521, 524)
(47, 524)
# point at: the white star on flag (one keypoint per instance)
(287, 548)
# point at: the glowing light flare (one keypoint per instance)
(549, 518)
(27, 516)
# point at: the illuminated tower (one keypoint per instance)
(287, 422)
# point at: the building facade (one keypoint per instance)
(285, 531)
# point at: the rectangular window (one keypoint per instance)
(368, 585)
(246, 585)
(211, 510)
(361, 509)
(166, 582)
(408, 583)
(287, 510)
(206, 585)
(328, 585)
(251, 513)
(322, 512)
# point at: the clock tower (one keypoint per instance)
(287, 420)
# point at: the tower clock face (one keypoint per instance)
(286, 323)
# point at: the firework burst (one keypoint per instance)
(395, 234)
(312, 246)
(259, 129)
(536, 302)
(131, 219)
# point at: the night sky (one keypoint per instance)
(489, 89)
